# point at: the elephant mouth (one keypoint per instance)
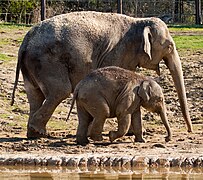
(151, 66)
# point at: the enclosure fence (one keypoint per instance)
(29, 11)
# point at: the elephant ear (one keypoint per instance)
(147, 41)
(144, 91)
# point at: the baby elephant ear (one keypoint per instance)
(144, 91)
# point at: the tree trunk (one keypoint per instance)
(119, 6)
(43, 10)
(198, 17)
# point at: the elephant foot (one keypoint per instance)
(130, 131)
(168, 138)
(33, 134)
(96, 137)
(82, 141)
(139, 139)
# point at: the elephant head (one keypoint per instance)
(157, 44)
(152, 99)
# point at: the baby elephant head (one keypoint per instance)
(151, 95)
(152, 99)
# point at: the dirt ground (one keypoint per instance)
(62, 134)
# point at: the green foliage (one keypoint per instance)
(17, 11)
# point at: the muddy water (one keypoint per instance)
(61, 173)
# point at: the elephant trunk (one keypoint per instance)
(174, 65)
(165, 122)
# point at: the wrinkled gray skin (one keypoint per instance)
(57, 53)
(115, 92)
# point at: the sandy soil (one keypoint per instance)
(62, 135)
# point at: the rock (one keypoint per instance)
(54, 161)
(176, 162)
(140, 161)
(117, 162)
(82, 162)
(73, 162)
(38, 161)
(2, 160)
(158, 145)
(126, 162)
(198, 162)
(108, 162)
(93, 161)
(188, 162)
(163, 162)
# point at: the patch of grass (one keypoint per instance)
(3, 116)
(56, 125)
(10, 26)
(189, 42)
(19, 40)
(4, 41)
(5, 57)
(186, 27)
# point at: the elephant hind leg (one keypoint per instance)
(123, 127)
(100, 114)
(54, 93)
(97, 128)
(84, 122)
(35, 99)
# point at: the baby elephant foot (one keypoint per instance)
(96, 137)
(112, 135)
(168, 138)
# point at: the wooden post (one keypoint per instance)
(119, 6)
(43, 10)
(198, 17)
(176, 11)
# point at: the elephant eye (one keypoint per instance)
(170, 48)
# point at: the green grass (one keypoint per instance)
(5, 41)
(55, 124)
(5, 57)
(10, 26)
(189, 28)
(189, 42)
(186, 29)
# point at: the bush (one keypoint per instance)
(20, 11)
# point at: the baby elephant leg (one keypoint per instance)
(123, 126)
(84, 120)
(137, 126)
(97, 128)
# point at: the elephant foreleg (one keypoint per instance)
(137, 126)
(123, 126)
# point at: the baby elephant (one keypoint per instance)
(115, 92)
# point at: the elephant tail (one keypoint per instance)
(75, 94)
(21, 55)
(18, 68)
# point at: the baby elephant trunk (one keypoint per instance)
(166, 124)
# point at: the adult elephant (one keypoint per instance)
(57, 53)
